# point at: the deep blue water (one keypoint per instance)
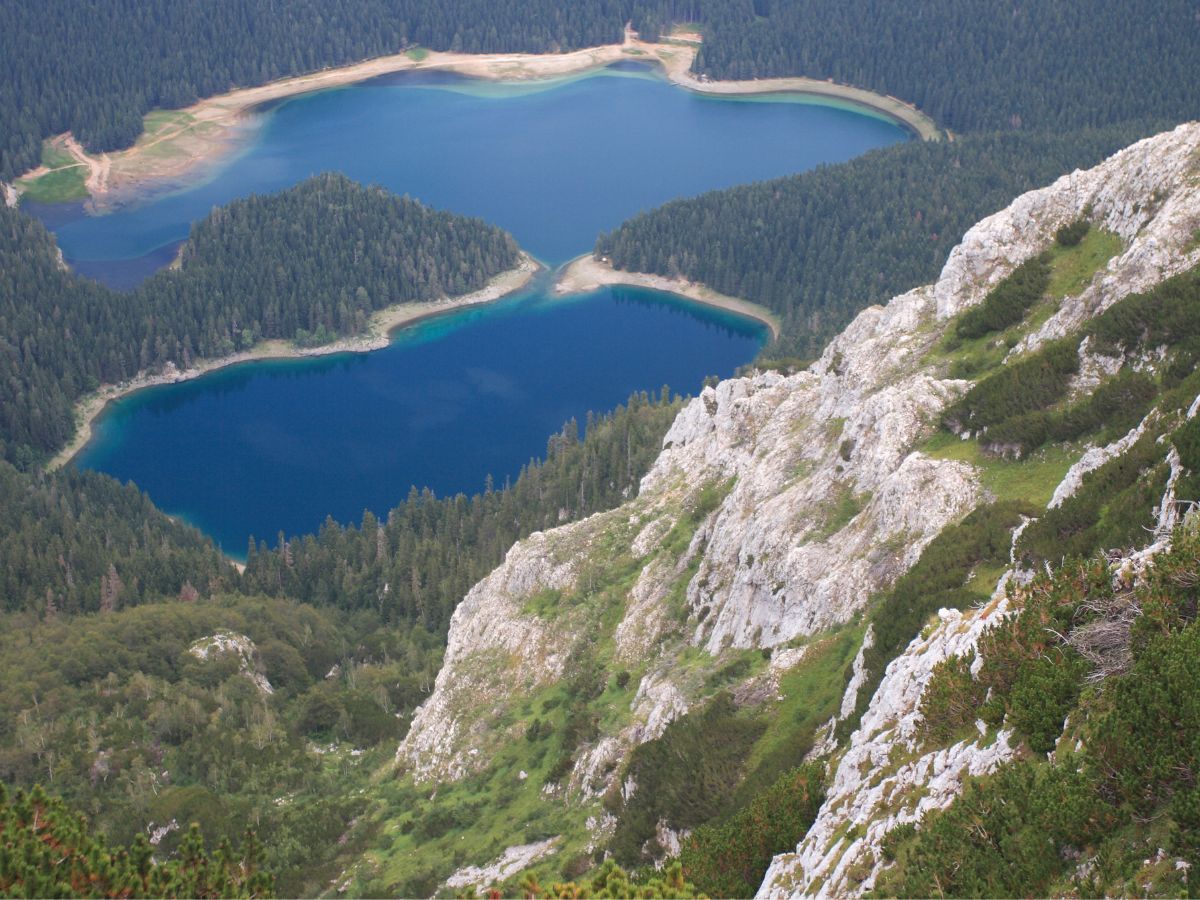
(265, 446)
(270, 446)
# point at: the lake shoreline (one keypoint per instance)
(379, 335)
(177, 142)
(585, 273)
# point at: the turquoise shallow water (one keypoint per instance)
(272, 446)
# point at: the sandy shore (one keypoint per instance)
(904, 113)
(382, 324)
(176, 142)
(585, 274)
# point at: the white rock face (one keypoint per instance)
(488, 626)
(1093, 369)
(670, 840)
(830, 502)
(858, 675)
(226, 642)
(825, 500)
(1093, 459)
(885, 778)
(828, 505)
(1167, 515)
(1143, 193)
(870, 794)
(509, 863)
(657, 704)
(1146, 194)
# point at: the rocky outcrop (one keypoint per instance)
(885, 778)
(777, 508)
(1093, 459)
(858, 675)
(493, 647)
(511, 861)
(1145, 194)
(658, 702)
(820, 515)
(229, 643)
(827, 503)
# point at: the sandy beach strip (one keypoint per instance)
(176, 142)
(378, 336)
(891, 107)
(584, 273)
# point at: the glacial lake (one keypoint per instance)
(274, 446)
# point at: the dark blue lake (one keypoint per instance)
(265, 446)
(272, 446)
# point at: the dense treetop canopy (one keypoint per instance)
(307, 264)
(49, 851)
(975, 65)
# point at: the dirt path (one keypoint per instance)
(98, 166)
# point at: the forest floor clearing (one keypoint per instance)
(97, 167)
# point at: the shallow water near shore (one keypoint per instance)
(273, 446)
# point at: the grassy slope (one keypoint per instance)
(65, 180)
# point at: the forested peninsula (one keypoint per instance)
(308, 265)
(816, 248)
(1029, 93)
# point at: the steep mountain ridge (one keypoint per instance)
(1141, 194)
(777, 509)
(890, 775)
(831, 860)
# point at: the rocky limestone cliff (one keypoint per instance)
(1150, 195)
(1147, 194)
(885, 778)
(778, 507)
(826, 504)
